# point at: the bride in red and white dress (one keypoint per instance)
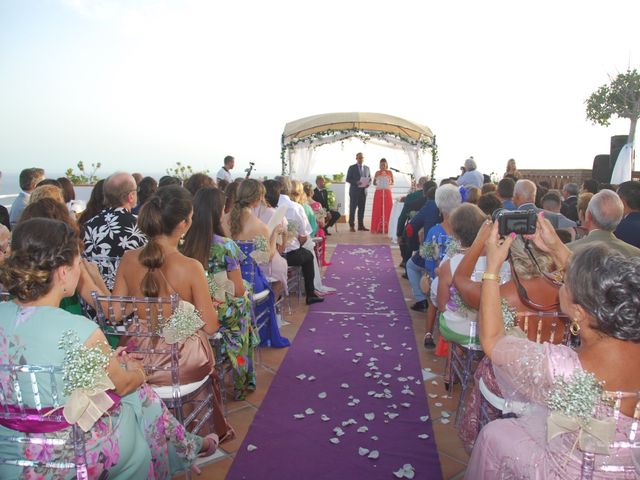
(382, 200)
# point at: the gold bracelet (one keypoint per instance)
(490, 276)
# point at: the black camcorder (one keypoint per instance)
(521, 222)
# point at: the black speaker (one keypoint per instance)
(601, 169)
(617, 142)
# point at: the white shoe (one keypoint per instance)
(328, 289)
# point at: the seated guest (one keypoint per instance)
(472, 195)
(590, 185)
(298, 231)
(138, 437)
(320, 216)
(114, 230)
(276, 269)
(68, 191)
(603, 310)
(470, 177)
(95, 204)
(206, 243)
(321, 195)
(47, 191)
(246, 227)
(604, 213)
(489, 203)
(456, 316)
(551, 201)
(146, 188)
(628, 230)
(411, 203)
(4, 214)
(29, 179)
(505, 193)
(197, 181)
(581, 206)
(169, 180)
(158, 270)
(297, 195)
(489, 188)
(570, 201)
(524, 197)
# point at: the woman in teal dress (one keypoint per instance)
(137, 437)
(221, 258)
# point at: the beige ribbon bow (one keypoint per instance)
(594, 435)
(85, 406)
(221, 286)
(170, 332)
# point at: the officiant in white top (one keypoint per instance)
(359, 179)
(225, 172)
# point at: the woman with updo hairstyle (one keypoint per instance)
(246, 227)
(578, 400)
(158, 270)
(135, 438)
(221, 257)
(146, 188)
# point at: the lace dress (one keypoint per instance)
(517, 448)
(139, 438)
(234, 313)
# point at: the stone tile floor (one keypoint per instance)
(453, 458)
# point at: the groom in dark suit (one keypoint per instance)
(358, 178)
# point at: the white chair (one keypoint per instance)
(144, 318)
(539, 327)
(32, 392)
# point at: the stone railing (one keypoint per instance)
(557, 178)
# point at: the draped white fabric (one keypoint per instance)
(302, 158)
(623, 166)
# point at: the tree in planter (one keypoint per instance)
(83, 177)
(621, 97)
(182, 171)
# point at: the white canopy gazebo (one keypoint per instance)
(301, 137)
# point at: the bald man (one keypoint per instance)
(114, 230)
(524, 197)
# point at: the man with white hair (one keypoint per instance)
(570, 201)
(471, 177)
(114, 230)
(524, 196)
(603, 215)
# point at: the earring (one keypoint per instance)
(574, 328)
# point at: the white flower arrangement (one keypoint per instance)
(83, 366)
(292, 230)
(452, 247)
(260, 251)
(576, 396)
(428, 250)
(184, 322)
(509, 315)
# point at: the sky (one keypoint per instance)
(140, 84)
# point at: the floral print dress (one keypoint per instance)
(138, 438)
(239, 339)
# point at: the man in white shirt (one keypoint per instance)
(295, 254)
(225, 172)
(29, 178)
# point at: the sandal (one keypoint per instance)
(227, 437)
(428, 341)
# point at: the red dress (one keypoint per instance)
(382, 202)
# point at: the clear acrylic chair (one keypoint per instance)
(144, 318)
(107, 266)
(539, 327)
(295, 284)
(623, 461)
(5, 296)
(31, 392)
(461, 365)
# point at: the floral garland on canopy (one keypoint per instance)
(329, 136)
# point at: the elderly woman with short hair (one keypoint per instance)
(471, 176)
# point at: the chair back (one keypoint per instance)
(247, 265)
(107, 266)
(27, 394)
(5, 296)
(624, 459)
(140, 317)
(541, 327)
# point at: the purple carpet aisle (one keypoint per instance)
(348, 401)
